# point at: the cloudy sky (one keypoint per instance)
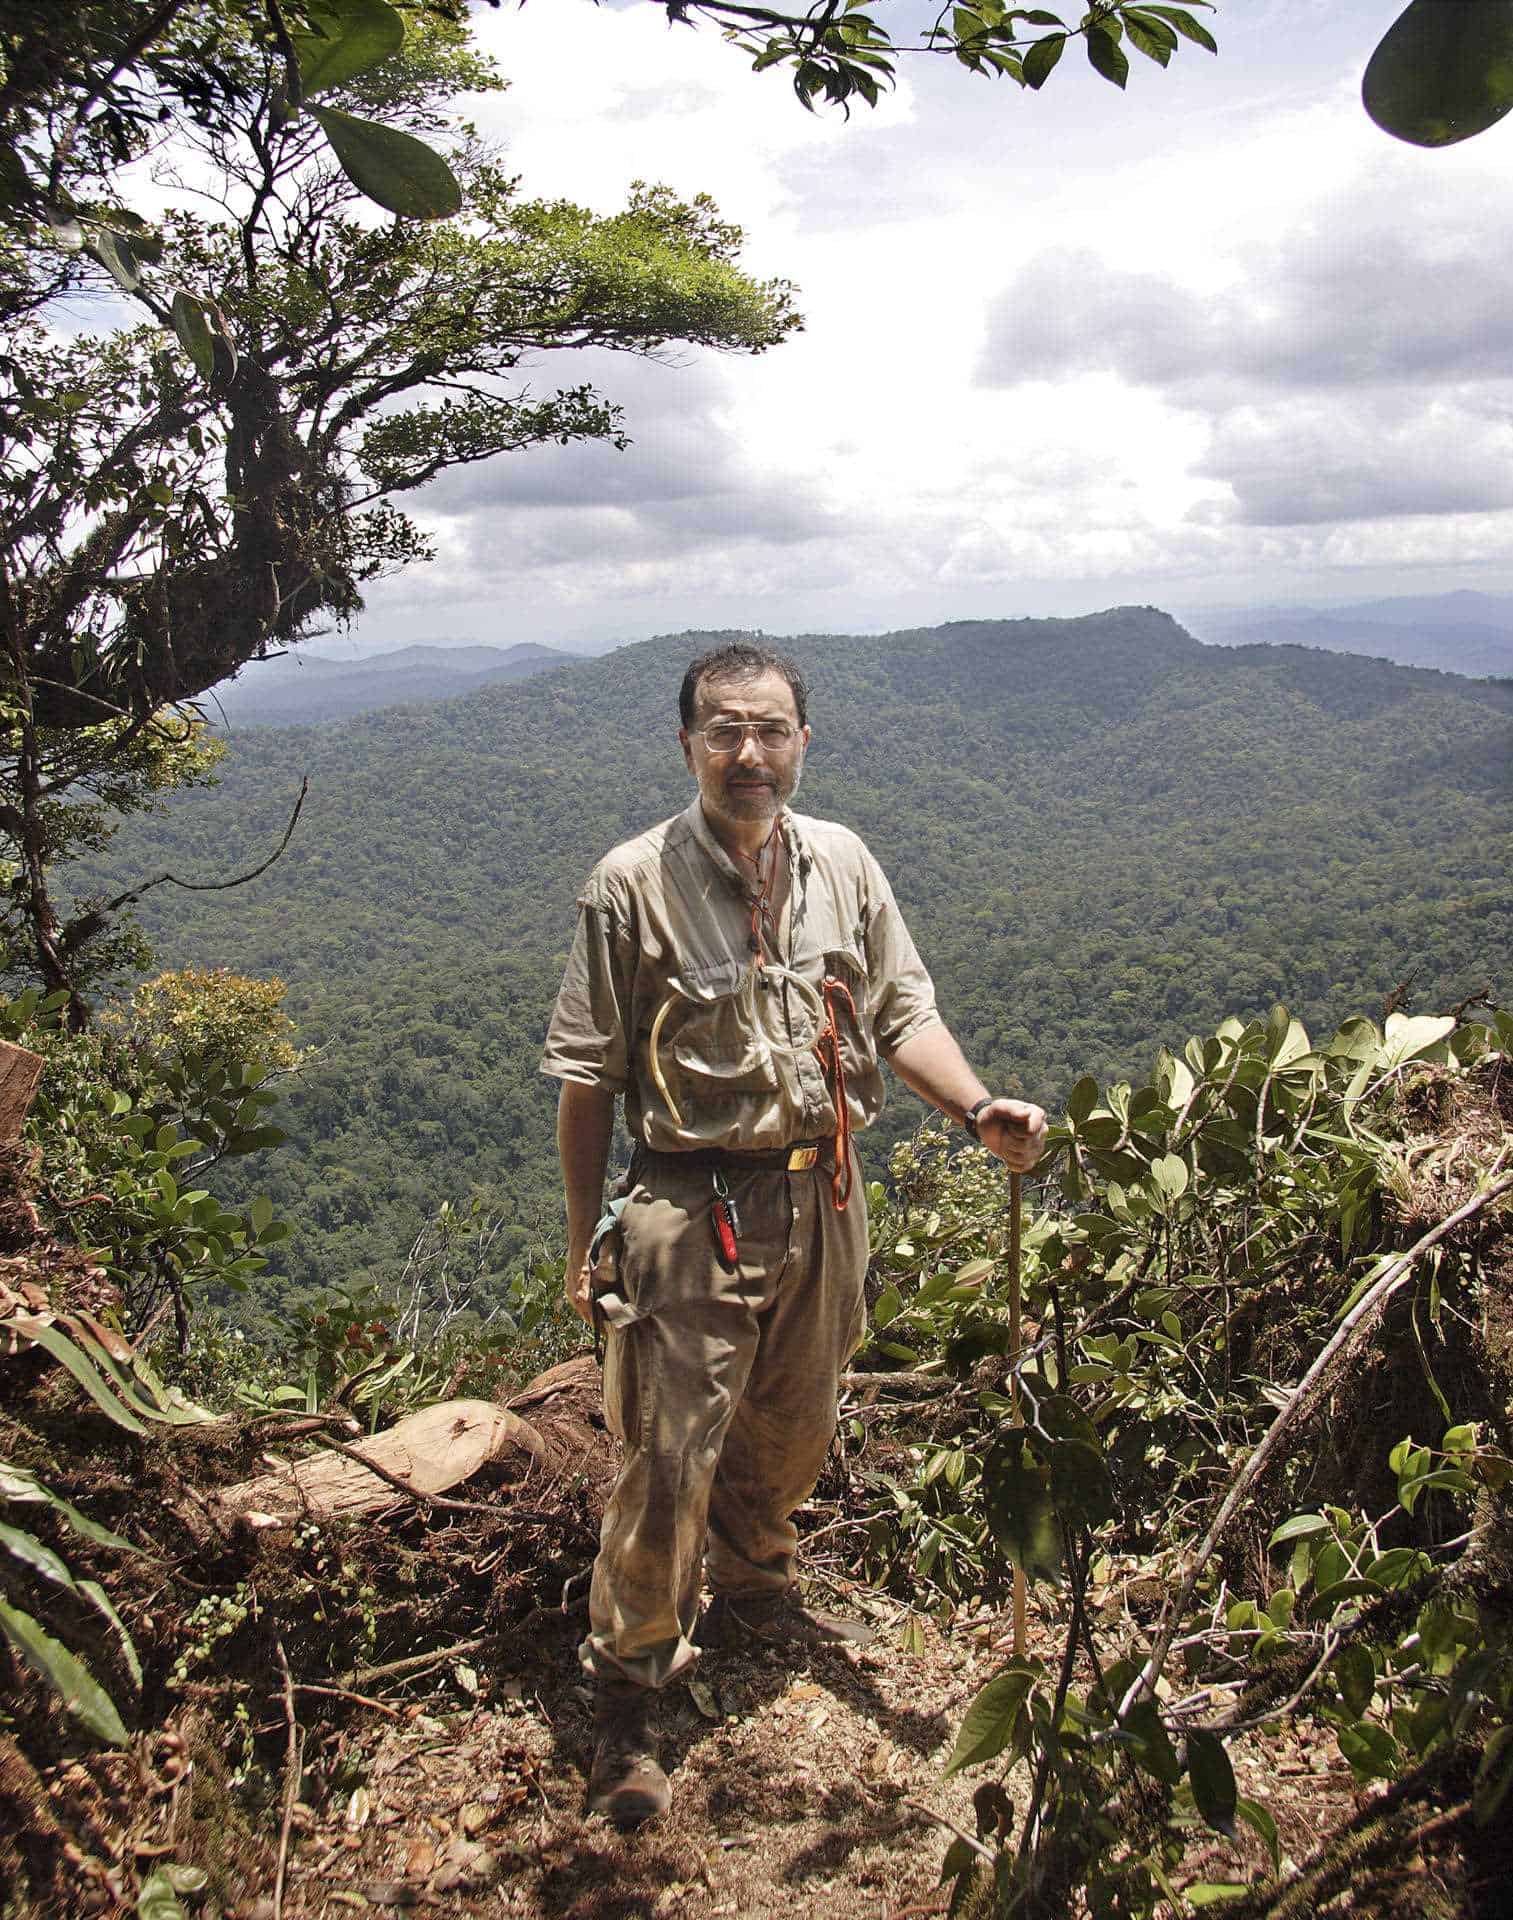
(1214, 341)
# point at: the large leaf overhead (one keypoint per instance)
(393, 168)
(353, 36)
(1443, 72)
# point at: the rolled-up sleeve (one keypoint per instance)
(900, 991)
(586, 1040)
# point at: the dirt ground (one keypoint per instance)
(811, 1785)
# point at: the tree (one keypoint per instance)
(190, 493)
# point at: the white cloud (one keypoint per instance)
(1200, 340)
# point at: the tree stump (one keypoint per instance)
(19, 1074)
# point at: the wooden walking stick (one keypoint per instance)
(1016, 1184)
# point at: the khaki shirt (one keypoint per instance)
(665, 920)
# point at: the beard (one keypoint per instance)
(753, 795)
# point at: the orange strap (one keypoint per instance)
(828, 1048)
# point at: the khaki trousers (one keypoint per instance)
(722, 1386)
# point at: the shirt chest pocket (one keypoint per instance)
(705, 1040)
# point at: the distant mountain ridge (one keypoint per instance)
(1463, 632)
(302, 689)
(1104, 835)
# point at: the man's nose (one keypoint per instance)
(750, 754)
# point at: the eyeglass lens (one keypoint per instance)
(727, 735)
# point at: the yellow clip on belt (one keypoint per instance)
(801, 1159)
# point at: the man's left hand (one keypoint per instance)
(1015, 1131)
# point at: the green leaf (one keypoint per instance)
(990, 1720)
(1186, 25)
(157, 1899)
(1302, 1526)
(185, 1879)
(1105, 54)
(18, 1485)
(1081, 1484)
(356, 35)
(1260, 1822)
(1020, 1512)
(1037, 66)
(102, 1602)
(1355, 1676)
(115, 255)
(1154, 38)
(1150, 1745)
(31, 1552)
(1419, 1037)
(1213, 1780)
(1442, 72)
(194, 336)
(68, 1355)
(1371, 1750)
(1170, 1175)
(260, 1213)
(393, 168)
(1494, 1776)
(1208, 1893)
(70, 1679)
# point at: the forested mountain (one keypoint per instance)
(1104, 834)
(1462, 632)
(302, 689)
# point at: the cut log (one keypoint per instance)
(19, 1073)
(577, 1376)
(431, 1451)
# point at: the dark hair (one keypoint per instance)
(740, 660)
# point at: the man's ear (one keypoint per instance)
(683, 742)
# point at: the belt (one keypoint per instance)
(800, 1156)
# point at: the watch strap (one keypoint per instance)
(969, 1118)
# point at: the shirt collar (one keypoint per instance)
(701, 830)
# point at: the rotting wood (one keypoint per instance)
(429, 1451)
(20, 1071)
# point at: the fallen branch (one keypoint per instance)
(1359, 1317)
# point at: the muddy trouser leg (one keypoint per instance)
(674, 1372)
(775, 1445)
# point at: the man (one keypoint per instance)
(737, 974)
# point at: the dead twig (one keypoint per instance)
(417, 1662)
(1360, 1316)
(346, 1693)
(291, 1781)
(940, 1820)
(439, 1501)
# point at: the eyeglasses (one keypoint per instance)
(728, 736)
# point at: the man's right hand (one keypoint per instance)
(576, 1283)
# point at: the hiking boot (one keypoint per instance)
(626, 1784)
(779, 1619)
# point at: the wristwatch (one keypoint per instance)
(969, 1118)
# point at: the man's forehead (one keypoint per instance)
(759, 696)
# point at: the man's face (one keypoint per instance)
(751, 785)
